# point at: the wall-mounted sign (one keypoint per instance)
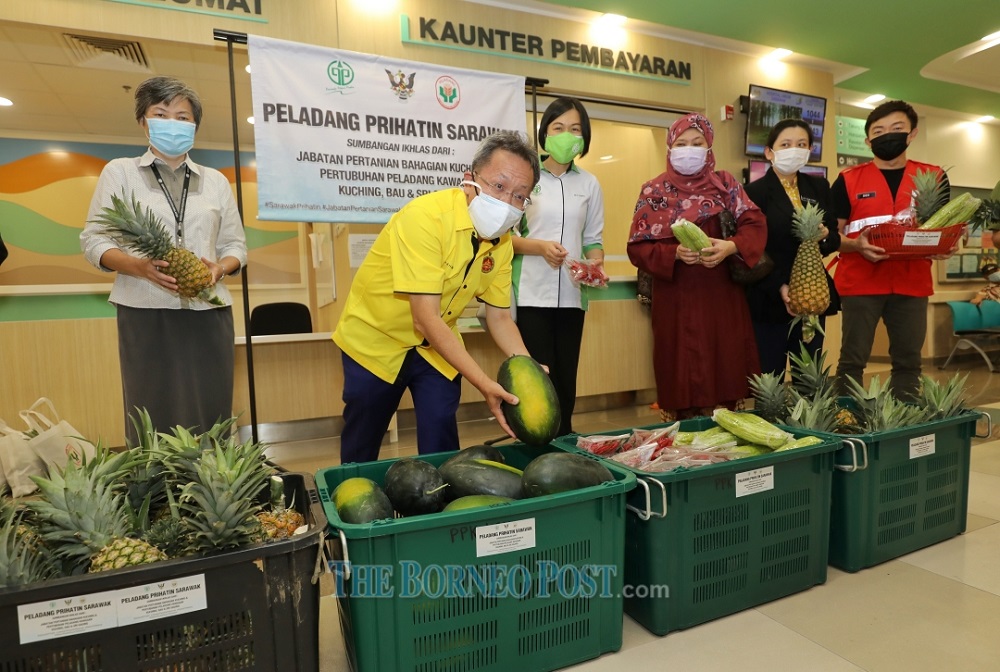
(244, 10)
(529, 47)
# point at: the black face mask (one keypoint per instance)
(889, 145)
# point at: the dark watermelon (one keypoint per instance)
(414, 487)
(551, 473)
(482, 477)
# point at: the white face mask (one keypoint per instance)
(994, 277)
(790, 161)
(688, 160)
(491, 217)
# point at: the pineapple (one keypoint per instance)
(942, 400)
(878, 410)
(988, 214)
(169, 532)
(141, 232)
(85, 520)
(280, 522)
(770, 396)
(816, 412)
(23, 559)
(219, 501)
(810, 375)
(808, 292)
(928, 194)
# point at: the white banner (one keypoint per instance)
(349, 137)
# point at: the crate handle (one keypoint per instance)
(648, 513)
(854, 466)
(989, 426)
(643, 515)
(347, 558)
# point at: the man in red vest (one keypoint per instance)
(872, 286)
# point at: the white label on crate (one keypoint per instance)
(752, 482)
(159, 600)
(516, 535)
(922, 445)
(66, 616)
(921, 238)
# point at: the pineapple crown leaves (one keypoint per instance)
(810, 375)
(988, 215)
(879, 410)
(807, 223)
(20, 563)
(816, 412)
(79, 513)
(928, 193)
(220, 498)
(129, 224)
(770, 396)
(945, 400)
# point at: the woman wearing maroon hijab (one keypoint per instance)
(703, 339)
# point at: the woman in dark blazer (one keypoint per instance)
(778, 193)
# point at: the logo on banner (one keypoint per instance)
(340, 73)
(400, 84)
(447, 92)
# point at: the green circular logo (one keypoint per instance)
(340, 73)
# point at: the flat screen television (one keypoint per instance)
(758, 167)
(769, 106)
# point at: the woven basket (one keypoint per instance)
(907, 242)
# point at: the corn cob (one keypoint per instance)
(957, 211)
(751, 428)
(690, 235)
(803, 442)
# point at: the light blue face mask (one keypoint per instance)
(171, 137)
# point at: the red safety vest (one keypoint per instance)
(872, 203)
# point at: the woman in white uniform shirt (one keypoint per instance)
(565, 220)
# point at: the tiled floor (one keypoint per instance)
(935, 609)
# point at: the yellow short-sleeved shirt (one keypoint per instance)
(426, 248)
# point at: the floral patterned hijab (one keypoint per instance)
(671, 195)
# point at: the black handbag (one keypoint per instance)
(739, 271)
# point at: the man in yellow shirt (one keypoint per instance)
(398, 330)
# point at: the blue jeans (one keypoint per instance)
(369, 403)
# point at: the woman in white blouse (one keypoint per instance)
(176, 354)
(565, 220)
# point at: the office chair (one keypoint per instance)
(280, 318)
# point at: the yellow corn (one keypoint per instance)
(751, 428)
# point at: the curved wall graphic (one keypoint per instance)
(45, 191)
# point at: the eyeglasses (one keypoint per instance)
(504, 194)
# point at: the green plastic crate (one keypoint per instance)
(696, 550)
(899, 490)
(518, 626)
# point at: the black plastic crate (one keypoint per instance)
(260, 613)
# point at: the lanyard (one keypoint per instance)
(178, 214)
